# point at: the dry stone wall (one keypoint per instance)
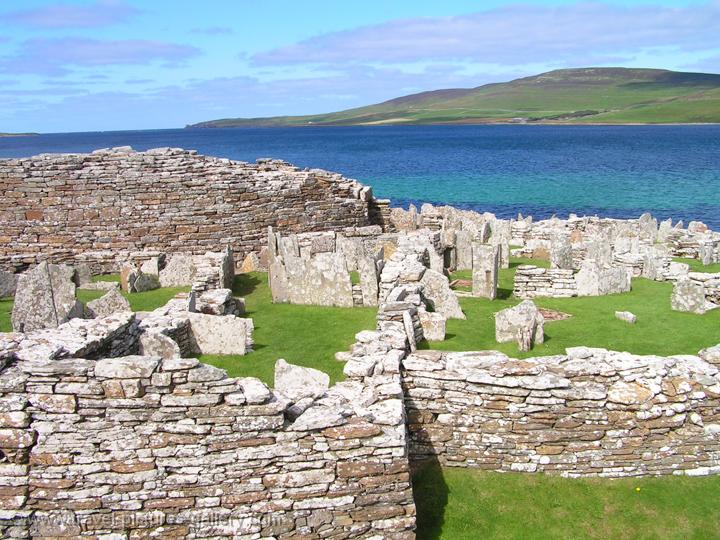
(590, 412)
(143, 446)
(110, 202)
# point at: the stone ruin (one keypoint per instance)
(110, 428)
(523, 324)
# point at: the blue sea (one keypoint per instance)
(613, 171)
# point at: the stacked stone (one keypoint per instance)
(533, 282)
(589, 412)
(114, 335)
(214, 270)
(150, 446)
(711, 285)
(57, 206)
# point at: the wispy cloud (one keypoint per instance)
(62, 15)
(514, 34)
(213, 30)
(177, 105)
(56, 56)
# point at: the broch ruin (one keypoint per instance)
(111, 428)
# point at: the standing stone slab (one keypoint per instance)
(440, 296)
(45, 298)
(180, 271)
(486, 265)
(523, 323)
(368, 268)
(8, 284)
(688, 295)
(593, 280)
(464, 249)
(433, 325)
(227, 334)
(111, 302)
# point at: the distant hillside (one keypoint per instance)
(17, 134)
(566, 96)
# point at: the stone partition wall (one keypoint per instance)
(149, 447)
(587, 413)
(57, 206)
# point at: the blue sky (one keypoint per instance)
(82, 65)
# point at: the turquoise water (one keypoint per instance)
(615, 171)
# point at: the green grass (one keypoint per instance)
(303, 335)
(606, 95)
(698, 266)
(458, 504)
(113, 278)
(143, 301)
(659, 329)
(5, 311)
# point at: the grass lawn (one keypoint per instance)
(698, 266)
(303, 335)
(659, 329)
(457, 503)
(6, 306)
(144, 301)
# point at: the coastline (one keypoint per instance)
(468, 122)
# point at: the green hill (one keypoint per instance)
(566, 96)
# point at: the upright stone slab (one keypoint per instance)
(463, 249)
(109, 303)
(227, 334)
(523, 323)
(433, 325)
(688, 295)
(486, 265)
(45, 298)
(440, 296)
(595, 281)
(8, 284)
(368, 268)
(180, 271)
(561, 254)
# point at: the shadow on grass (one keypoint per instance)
(245, 284)
(504, 294)
(431, 494)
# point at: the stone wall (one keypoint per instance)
(111, 203)
(143, 446)
(589, 412)
(533, 282)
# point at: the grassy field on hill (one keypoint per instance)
(586, 95)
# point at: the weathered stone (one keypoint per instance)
(593, 280)
(109, 303)
(220, 334)
(688, 295)
(251, 263)
(296, 382)
(8, 284)
(441, 298)
(128, 367)
(145, 282)
(523, 323)
(433, 325)
(631, 393)
(486, 266)
(45, 298)
(180, 271)
(626, 316)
